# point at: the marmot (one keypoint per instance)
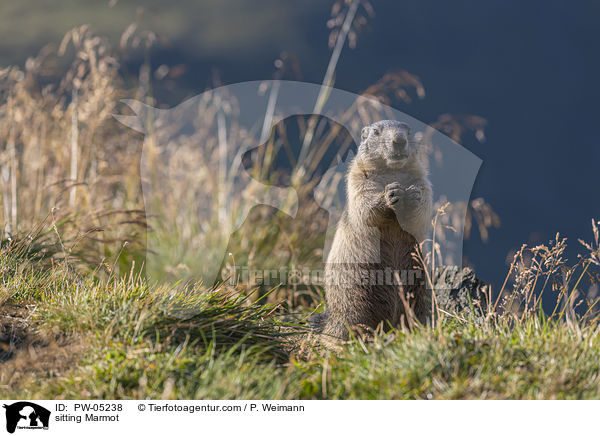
(388, 210)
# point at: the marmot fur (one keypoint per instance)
(388, 210)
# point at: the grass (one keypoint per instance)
(72, 336)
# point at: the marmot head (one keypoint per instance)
(387, 143)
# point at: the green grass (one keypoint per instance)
(121, 338)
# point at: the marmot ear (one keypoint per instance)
(364, 133)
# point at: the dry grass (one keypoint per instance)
(65, 156)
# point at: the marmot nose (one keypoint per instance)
(399, 140)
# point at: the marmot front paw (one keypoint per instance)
(393, 193)
(397, 196)
(413, 195)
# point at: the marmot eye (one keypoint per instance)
(376, 132)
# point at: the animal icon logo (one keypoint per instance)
(26, 415)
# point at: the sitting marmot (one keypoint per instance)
(371, 274)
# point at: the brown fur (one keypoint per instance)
(388, 210)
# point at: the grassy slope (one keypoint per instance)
(122, 339)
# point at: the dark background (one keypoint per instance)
(530, 69)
